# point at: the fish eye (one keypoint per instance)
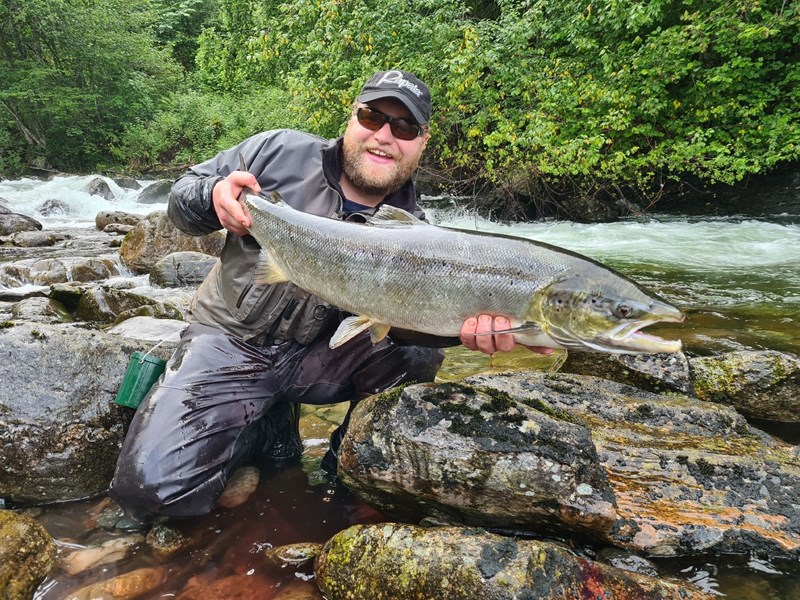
(623, 310)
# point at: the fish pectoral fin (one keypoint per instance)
(378, 331)
(348, 329)
(276, 198)
(391, 216)
(267, 270)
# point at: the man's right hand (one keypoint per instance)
(226, 201)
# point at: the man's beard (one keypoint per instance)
(355, 169)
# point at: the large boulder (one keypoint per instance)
(154, 237)
(155, 193)
(759, 384)
(182, 269)
(389, 561)
(27, 554)
(60, 429)
(13, 223)
(99, 187)
(108, 217)
(652, 372)
(578, 456)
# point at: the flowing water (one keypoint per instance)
(737, 278)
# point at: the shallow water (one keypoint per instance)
(737, 279)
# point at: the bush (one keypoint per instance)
(194, 126)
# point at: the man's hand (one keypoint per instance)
(226, 201)
(489, 344)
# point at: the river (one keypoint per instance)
(736, 277)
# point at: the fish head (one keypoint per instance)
(603, 313)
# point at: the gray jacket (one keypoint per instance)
(305, 169)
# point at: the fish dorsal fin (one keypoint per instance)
(267, 270)
(391, 216)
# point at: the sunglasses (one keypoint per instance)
(373, 120)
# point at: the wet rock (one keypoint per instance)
(292, 555)
(154, 237)
(93, 269)
(623, 559)
(40, 309)
(759, 384)
(99, 187)
(128, 585)
(299, 590)
(109, 304)
(109, 217)
(49, 271)
(68, 294)
(150, 329)
(60, 430)
(12, 223)
(181, 269)
(117, 229)
(100, 554)
(390, 561)
(233, 587)
(156, 193)
(27, 554)
(54, 206)
(36, 239)
(239, 488)
(166, 541)
(128, 183)
(578, 456)
(658, 373)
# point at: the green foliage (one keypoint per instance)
(531, 97)
(178, 24)
(73, 73)
(537, 95)
(193, 126)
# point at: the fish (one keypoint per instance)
(397, 271)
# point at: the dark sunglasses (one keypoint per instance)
(373, 120)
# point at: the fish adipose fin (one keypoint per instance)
(391, 216)
(352, 326)
(267, 270)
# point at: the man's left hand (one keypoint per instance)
(489, 344)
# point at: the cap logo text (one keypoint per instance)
(396, 78)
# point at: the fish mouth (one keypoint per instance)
(629, 338)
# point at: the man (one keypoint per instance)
(254, 352)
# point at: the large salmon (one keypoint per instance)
(398, 271)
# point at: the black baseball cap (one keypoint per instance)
(403, 86)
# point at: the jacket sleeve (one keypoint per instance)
(406, 337)
(191, 208)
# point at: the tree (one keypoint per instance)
(72, 73)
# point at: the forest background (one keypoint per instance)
(534, 100)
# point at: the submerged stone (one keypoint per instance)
(390, 561)
(27, 553)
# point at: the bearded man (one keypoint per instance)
(254, 352)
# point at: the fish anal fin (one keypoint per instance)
(348, 329)
(267, 270)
